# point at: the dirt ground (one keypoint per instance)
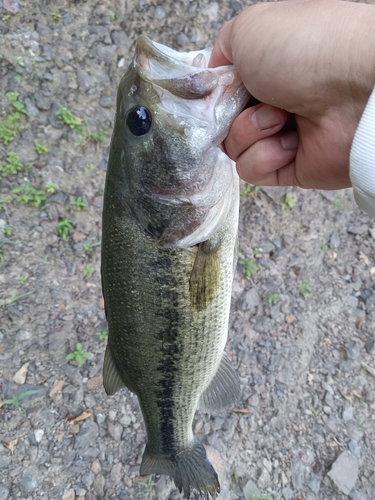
(302, 327)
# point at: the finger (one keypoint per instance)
(252, 125)
(270, 161)
(222, 52)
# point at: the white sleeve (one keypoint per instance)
(362, 159)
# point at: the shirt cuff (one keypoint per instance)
(362, 159)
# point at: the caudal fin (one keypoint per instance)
(190, 470)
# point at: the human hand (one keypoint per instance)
(314, 60)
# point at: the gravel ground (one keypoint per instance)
(303, 318)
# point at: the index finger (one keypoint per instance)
(222, 51)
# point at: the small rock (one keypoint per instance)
(20, 376)
(344, 472)
(106, 52)
(96, 467)
(352, 301)
(106, 101)
(56, 198)
(298, 474)
(102, 165)
(115, 431)
(12, 6)
(372, 232)
(4, 492)
(367, 293)
(182, 39)
(353, 350)
(23, 335)
(347, 413)
(68, 494)
(335, 240)
(275, 193)
(42, 102)
(251, 490)
(314, 483)
(355, 449)
(357, 229)
(119, 38)
(264, 479)
(250, 300)
(39, 435)
(116, 473)
(88, 433)
(99, 483)
(358, 495)
(27, 484)
(159, 12)
(370, 345)
(95, 382)
(30, 108)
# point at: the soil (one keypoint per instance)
(302, 326)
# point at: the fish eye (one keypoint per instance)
(139, 120)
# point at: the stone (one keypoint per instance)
(370, 345)
(106, 52)
(4, 492)
(12, 6)
(115, 431)
(249, 300)
(102, 165)
(42, 102)
(358, 495)
(30, 108)
(119, 38)
(352, 301)
(353, 350)
(68, 494)
(344, 472)
(88, 432)
(106, 101)
(251, 490)
(298, 474)
(314, 483)
(159, 12)
(334, 240)
(264, 479)
(347, 413)
(27, 484)
(116, 473)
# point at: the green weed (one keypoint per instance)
(336, 202)
(88, 271)
(8, 199)
(67, 117)
(12, 165)
(305, 288)
(90, 166)
(97, 136)
(28, 194)
(102, 335)
(55, 16)
(149, 487)
(16, 399)
(288, 202)
(40, 148)
(8, 231)
(79, 355)
(248, 266)
(271, 298)
(87, 247)
(323, 246)
(112, 16)
(63, 228)
(22, 280)
(78, 203)
(248, 189)
(10, 124)
(5, 18)
(51, 188)
(13, 298)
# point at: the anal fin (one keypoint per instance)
(111, 379)
(224, 388)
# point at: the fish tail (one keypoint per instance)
(190, 470)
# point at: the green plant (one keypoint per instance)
(28, 194)
(18, 78)
(248, 266)
(88, 246)
(16, 399)
(305, 288)
(8, 199)
(13, 164)
(288, 202)
(40, 148)
(13, 298)
(11, 122)
(90, 166)
(257, 252)
(323, 246)
(79, 355)
(51, 188)
(112, 16)
(97, 136)
(102, 335)
(78, 203)
(271, 298)
(248, 189)
(8, 231)
(336, 202)
(148, 486)
(63, 228)
(22, 280)
(88, 271)
(67, 117)
(6, 17)
(55, 16)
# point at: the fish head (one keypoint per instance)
(166, 163)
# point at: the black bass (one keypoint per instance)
(169, 243)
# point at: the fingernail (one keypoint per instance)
(289, 141)
(266, 117)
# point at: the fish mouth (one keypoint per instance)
(192, 79)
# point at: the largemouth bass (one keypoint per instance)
(169, 242)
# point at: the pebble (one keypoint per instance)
(27, 484)
(116, 472)
(182, 39)
(335, 240)
(106, 52)
(42, 102)
(353, 350)
(23, 335)
(314, 483)
(352, 301)
(102, 165)
(264, 479)
(251, 490)
(30, 108)
(68, 494)
(98, 485)
(115, 431)
(88, 433)
(159, 12)
(39, 433)
(4, 492)
(249, 300)
(106, 101)
(370, 345)
(298, 474)
(344, 472)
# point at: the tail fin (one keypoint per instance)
(190, 470)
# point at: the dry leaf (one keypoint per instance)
(240, 410)
(83, 416)
(372, 271)
(360, 322)
(20, 376)
(57, 387)
(10, 446)
(327, 341)
(289, 318)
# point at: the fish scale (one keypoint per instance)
(167, 298)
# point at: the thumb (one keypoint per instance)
(222, 51)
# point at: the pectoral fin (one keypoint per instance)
(205, 275)
(223, 390)
(111, 379)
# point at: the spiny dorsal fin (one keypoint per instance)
(111, 379)
(224, 388)
(205, 275)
